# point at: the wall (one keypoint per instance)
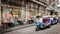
(0, 12)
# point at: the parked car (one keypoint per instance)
(59, 19)
(54, 21)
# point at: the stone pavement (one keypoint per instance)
(17, 27)
(55, 29)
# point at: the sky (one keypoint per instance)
(59, 0)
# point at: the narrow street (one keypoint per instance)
(19, 16)
(55, 29)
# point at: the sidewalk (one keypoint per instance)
(17, 27)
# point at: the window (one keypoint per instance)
(16, 12)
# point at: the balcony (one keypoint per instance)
(42, 1)
(12, 2)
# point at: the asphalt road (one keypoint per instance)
(55, 29)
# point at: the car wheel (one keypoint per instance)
(49, 26)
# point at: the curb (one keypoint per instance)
(17, 28)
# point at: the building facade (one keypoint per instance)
(58, 7)
(22, 8)
(52, 5)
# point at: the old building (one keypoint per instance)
(22, 8)
(52, 6)
(58, 8)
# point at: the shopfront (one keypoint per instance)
(16, 12)
(22, 11)
(32, 8)
(11, 12)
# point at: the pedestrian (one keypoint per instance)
(12, 21)
(30, 19)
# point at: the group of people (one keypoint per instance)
(7, 20)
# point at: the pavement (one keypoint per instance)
(16, 28)
(55, 29)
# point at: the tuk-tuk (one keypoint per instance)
(43, 23)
